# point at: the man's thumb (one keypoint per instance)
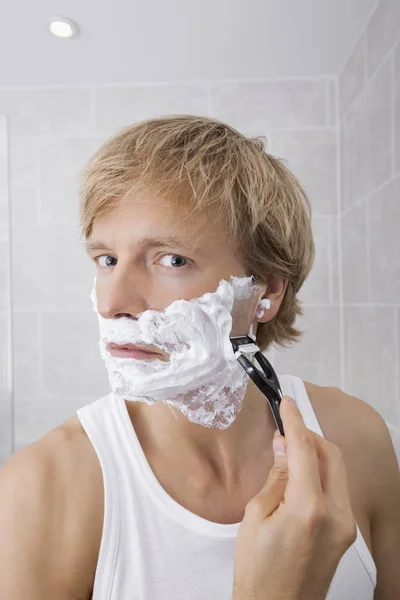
(273, 491)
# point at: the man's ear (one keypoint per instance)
(275, 292)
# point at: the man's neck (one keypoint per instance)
(223, 456)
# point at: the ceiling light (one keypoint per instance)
(63, 28)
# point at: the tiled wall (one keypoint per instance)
(369, 108)
(52, 133)
(5, 301)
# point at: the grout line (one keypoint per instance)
(358, 38)
(397, 353)
(393, 111)
(371, 304)
(330, 279)
(39, 214)
(368, 257)
(11, 394)
(339, 234)
(180, 82)
(385, 58)
(37, 183)
(39, 329)
(368, 83)
(369, 195)
(327, 102)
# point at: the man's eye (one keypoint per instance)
(173, 260)
(105, 260)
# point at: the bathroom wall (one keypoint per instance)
(369, 107)
(6, 428)
(52, 133)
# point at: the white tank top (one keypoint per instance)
(152, 548)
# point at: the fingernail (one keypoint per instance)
(290, 399)
(279, 446)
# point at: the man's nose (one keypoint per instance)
(121, 296)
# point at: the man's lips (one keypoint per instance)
(133, 351)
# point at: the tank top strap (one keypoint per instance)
(294, 387)
(99, 423)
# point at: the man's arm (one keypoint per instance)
(362, 435)
(385, 510)
(38, 525)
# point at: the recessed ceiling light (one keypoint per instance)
(63, 28)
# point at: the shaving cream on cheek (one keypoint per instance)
(202, 376)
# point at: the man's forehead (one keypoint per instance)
(155, 225)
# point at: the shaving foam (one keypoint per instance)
(262, 306)
(202, 377)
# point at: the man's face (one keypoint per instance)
(149, 254)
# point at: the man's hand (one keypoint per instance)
(297, 528)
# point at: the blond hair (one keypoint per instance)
(209, 164)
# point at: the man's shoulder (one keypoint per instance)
(56, 483)
(56, 453)
(362, 435)
(345, 420)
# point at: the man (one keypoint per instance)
(143, 499)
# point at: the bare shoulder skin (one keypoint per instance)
(51, 515)
(52, 505)
(373, 477)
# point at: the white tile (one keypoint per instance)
(3, 127)
(370, 357)
(316, 358)
(311, 155)
(352, 78)
(397, 109)
(36, 416)
(61, 159)
(118, 107)
(317, 288)
(50, 269)
(354, 255)
(384, 215)
(26, 355)
(4, 163)
(24, 182)
(257, 107)
(383, 31)
(332, 101)
(366, 139)
(336, 259)
(4, 269)
(5, 388)
(72, 365)
(44, 111)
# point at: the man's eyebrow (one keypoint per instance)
(93, 245)
(169, 241)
